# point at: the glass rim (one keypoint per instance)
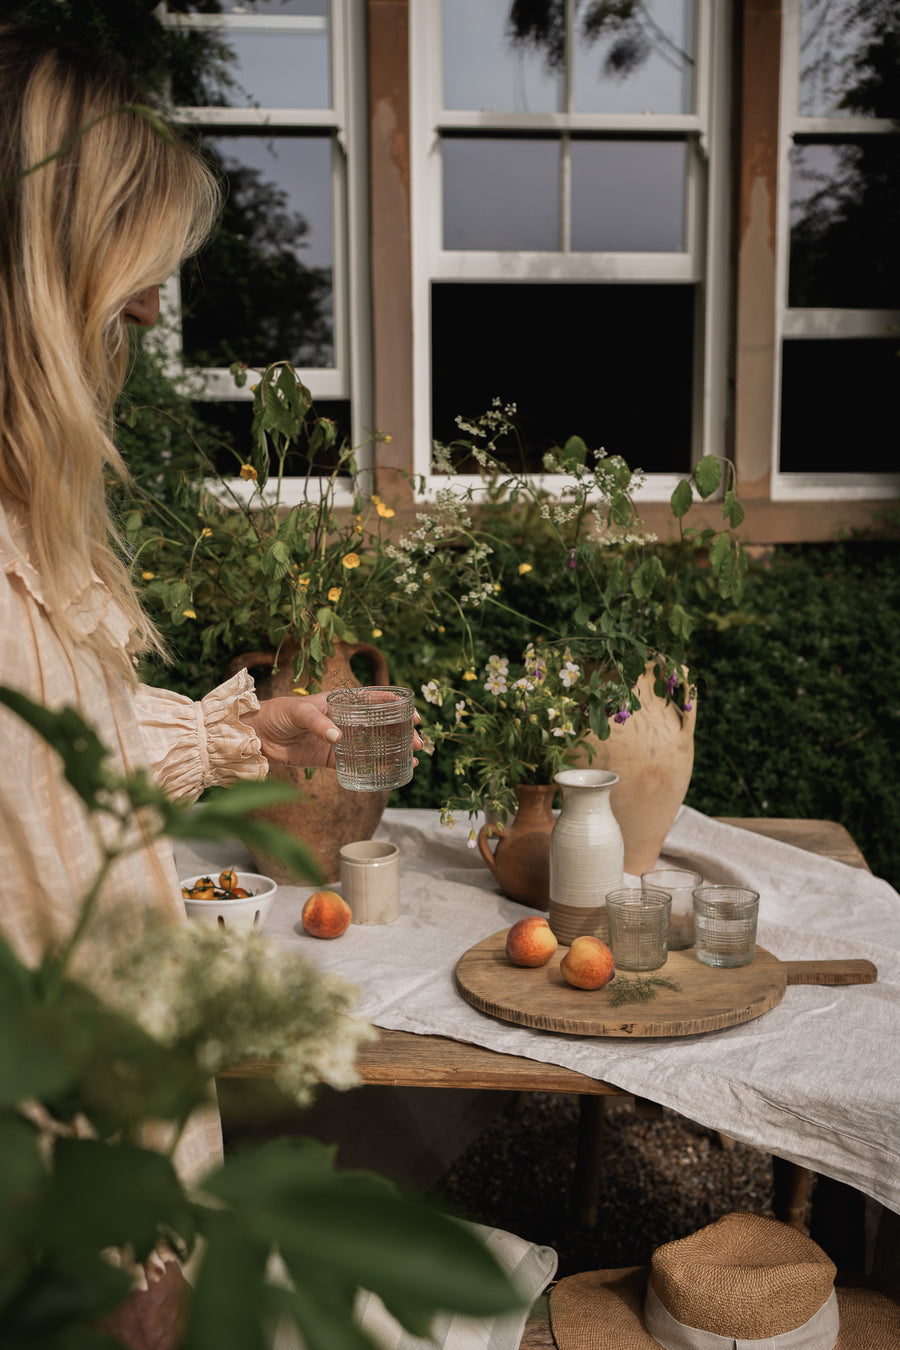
(639, 897)
(735, 895)
(672, 872)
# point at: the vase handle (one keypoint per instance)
(250, 659)
(376, 659)
(484, 848)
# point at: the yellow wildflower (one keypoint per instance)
(205, 532)
(376, 632)
(374, 499)
(303, 581)
(299, 690)
(350, 560)
(384, 511)
(469, 675)
(248, 471)
(334, 594)
(523, 568)
(188, 614)
(388, 438)
(497, 586)
(148, 576)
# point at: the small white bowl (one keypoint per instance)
(245, 912)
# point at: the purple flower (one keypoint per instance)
(570, 561)
(671, 682)
(688, 705)
(622, 715)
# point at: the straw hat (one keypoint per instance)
(743, 1283)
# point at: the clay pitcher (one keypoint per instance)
(521, 860)
(328, 816)
(653, 756)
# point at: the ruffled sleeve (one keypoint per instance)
(191, 746)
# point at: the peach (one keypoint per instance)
(326, 915)
(531, 942)
(588, 964)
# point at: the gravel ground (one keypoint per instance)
(662, 1179)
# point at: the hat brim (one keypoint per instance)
(604, 1310)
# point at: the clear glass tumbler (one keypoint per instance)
(638, 928)
(681, 886)
(375, 751)
(725, 925)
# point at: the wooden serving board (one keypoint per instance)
(710, 998)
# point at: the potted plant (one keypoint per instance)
(584, 575)
(292, 592)
(513, 726)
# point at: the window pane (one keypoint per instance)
(271, 66)
(500, 193)
(642, 64)
(628, 196)
(263, 290)
(845, 223)
(839, 406)
(848, 59)
(485, 69)
(610, 363)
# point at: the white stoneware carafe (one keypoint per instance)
(587, 854)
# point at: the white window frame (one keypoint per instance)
(347, 120)
(704, 260)
(819, 323)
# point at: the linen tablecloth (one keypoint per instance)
(815, 1080)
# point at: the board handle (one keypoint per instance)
(830, 972)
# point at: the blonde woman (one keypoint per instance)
(97, 208)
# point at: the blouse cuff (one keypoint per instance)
(192, 746)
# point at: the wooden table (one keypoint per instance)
(404, 1059)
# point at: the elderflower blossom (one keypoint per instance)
(234, 996)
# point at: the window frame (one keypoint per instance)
(350, 377)
(816, 323)
(704, 262)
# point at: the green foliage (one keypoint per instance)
(68, 1056)
(244, 572)
(796, 715)
(511, 725)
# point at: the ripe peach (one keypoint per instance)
(531, 942)
(326, 915)
(588, 964)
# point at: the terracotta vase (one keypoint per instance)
(521, 860)
(652, 755)
(327, 816)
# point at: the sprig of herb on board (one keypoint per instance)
(640, 990)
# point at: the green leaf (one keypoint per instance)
(573, 453)
(708, 475)
(111, 1195)
(582, 616)
(230, 1294)
(353, 1227)
(646, 576)
(682, 499)
(83, 753)
(732, 509)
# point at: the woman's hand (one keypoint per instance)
(296, 729)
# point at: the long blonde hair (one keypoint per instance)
(115, 204)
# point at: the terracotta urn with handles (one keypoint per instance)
(327, 816)
(652, 755)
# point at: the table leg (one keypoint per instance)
(790, 1193)
(592, 1125)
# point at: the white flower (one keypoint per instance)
(498, 664)
(569, 674)
(559, 731)
(427, 743)
(472, 839)
(460, 710)
(496, 684)
(524, 683)
(433, 694)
